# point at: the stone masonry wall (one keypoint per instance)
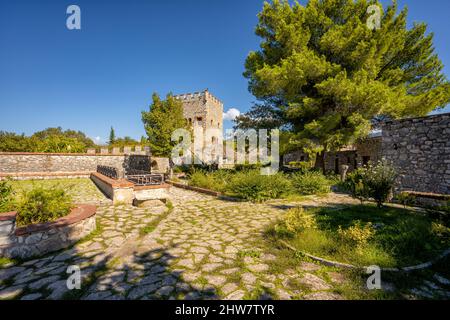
(39, 163)
(35, 162)
(419, 148)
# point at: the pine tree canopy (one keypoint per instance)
(329, 74)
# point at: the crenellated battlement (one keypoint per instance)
(197, 96)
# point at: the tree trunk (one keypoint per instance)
(320, 161)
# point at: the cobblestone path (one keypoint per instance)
(203, 248)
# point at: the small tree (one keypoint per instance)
(112, 136)
(162, 119)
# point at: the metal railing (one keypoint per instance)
(110, 172)
(146, 179)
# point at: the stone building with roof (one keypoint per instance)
(418, 148)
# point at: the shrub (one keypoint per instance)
(216, 180)
(440, 230)
(406, 199)
(247, 167)
(202, 180)
(310, 182)
(356, 186)
(358, 234)
(295, 220)
(253, 186)
(373, 181)
(42, 205)
(303, 165)
(380, 180)
(6, 196)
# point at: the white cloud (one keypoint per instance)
(98, 139)
(231, 114)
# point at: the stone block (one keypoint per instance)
(33, 238)
(6, 227)
(6, 240)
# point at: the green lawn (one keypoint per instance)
(82, 190)
(387, 237)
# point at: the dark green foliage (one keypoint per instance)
(247, 167)
(48, 140)
(321, 72)
(163, 118)
(302, 165)
(310, 182)
(6, 197)
(406, 199)
(125, 142)
(112, 136)
(354, 184)
(42, 205)
(216, 180)
(252, 186)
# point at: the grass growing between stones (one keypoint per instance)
(7, 262)
(249, 253)
(94, 234)
(151, 226)
(364, 235)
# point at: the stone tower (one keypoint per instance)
(202, 109)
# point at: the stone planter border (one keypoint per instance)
(332, 263)
(39, 239)
(192, 188)
(204, 191)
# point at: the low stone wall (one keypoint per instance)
(39, 239)
(433, 200)
(119, 191)
(23, 165)
(197, 189)
(419, 149)
(160, 165)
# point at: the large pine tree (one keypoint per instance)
(330, 75)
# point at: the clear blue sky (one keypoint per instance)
(104, 74)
